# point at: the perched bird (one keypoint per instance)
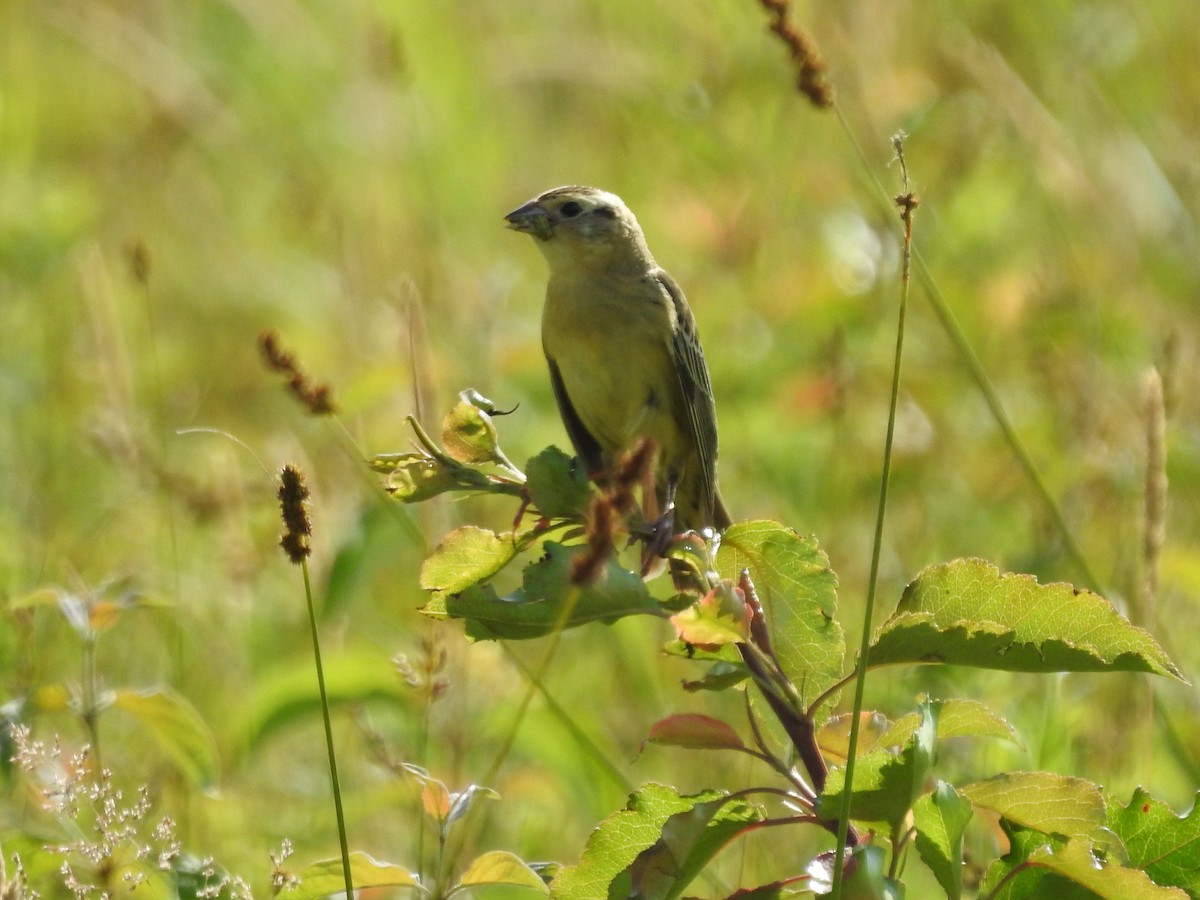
(624, 355)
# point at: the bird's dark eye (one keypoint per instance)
(570, 209)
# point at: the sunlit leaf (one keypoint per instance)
(798, 592)
(1042, 801)
(655, 846)
(177, 728)
(502, 867)
(465, 557)
(468, 433)
(956, 718)
(967, 613)
(535, 608)
(719, 617)
(1078, 862)
(1167, 846)
(322, 879)
(414, 477)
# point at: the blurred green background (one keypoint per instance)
(339, 172)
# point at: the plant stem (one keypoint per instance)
(908, 204)
(333, 774)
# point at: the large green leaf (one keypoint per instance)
(1041, 801)
(967, 613)
(546, 599)
(177, 728)
(798, 592)
(655, 846)
(1167, 846)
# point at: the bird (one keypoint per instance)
(623, 350)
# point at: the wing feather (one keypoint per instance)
(696, 389)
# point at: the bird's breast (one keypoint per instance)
(611, 341)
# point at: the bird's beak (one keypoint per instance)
(531, 218)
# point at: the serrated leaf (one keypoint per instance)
(466, 556)
(1042, 801)
(940, 818)
(534, 609)
(695, 732)
(558, 485)
(655, 846)
(502, 867)
(177, 728)
(325, 878)
(967, 613)
(798, 592)
(885, 783)
(1077, 861)
(1167, 846)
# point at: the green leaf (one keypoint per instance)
(967, 613)
(1042, 801)
(695, 732)
(289, 694)
(178, 730)
(534, 609)
(502, 867)
(466, 557)
(1078, 862)
(558, 485)
(655, 846)
(468, 433)
(324, 878)
(941, 817)
(1167, 846)
(798, 592)
(885, 783)
(415, 477)
(956, 718)
(719, 617)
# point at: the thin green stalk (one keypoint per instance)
(333, 774)
(908, 203)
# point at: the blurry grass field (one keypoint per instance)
(176, 178)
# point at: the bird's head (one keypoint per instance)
(579, 223)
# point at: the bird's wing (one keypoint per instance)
(699, 406)
(585, 444)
